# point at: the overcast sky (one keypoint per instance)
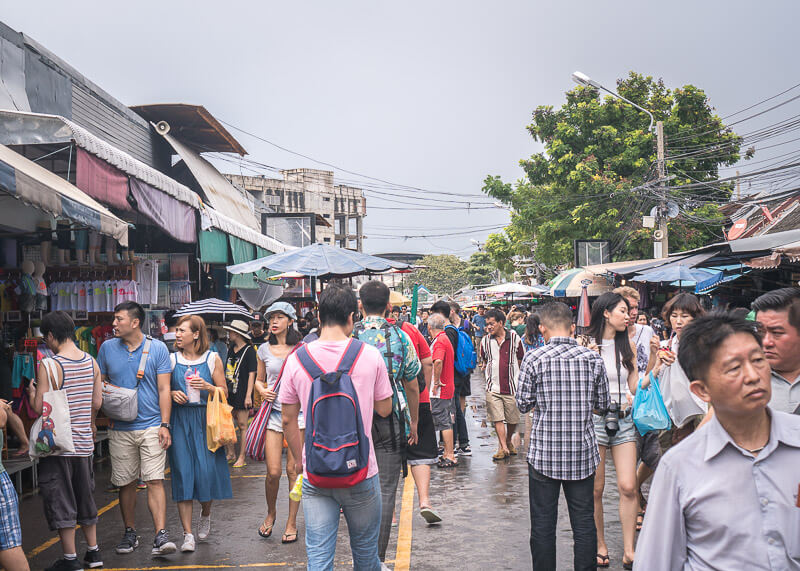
(432, 95)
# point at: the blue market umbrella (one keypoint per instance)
(320, 261)
(674, 273)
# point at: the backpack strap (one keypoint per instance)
(308, 363)
(350, 356)
(148, 341)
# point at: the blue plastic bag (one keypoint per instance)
(649, 412)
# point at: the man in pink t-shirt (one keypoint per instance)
(361, 504)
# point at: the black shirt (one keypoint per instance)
(237, 387)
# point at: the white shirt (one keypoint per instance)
(617, 383)
(713, 505)
(147, 276)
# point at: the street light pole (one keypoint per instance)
(661, 245)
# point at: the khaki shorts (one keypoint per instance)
(136, 453)
(501, 408)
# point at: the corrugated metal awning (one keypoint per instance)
(211, 218)
(19, 128)
(221, 195)
(37, 186)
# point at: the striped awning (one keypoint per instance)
(214, 306)
(32, 184)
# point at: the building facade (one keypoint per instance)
(340, 209)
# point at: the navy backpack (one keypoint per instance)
(336, 445)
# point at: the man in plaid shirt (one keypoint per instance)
(562, 382)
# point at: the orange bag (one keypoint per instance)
(219, 421)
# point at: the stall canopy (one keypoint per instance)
(321, 261)
(568, 283)
(35, 185)
(211, 218)
(221, 195)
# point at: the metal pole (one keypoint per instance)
(662, 175)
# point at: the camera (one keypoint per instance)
(611, 419)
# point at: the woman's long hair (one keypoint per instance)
(597, 324)
(532, 329)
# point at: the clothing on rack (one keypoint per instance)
(147, 276)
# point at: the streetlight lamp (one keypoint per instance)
(661, 244)
(583, 79)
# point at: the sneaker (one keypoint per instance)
(93, 559)
(465, 451)
(188, 543)
(130, 541)
(162, 545)
(141, 484)
(65, 565)
(204, 528)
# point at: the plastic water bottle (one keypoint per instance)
(297, 490)
(192, 393)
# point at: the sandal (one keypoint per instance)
(265, 531)
(639, 521)
(286, 536)
(446, 463)
(627, 564)
(242, 465)
(604, 561)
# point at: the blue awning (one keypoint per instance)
(717, 280)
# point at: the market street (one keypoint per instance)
(484, 507)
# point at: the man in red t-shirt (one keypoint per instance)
(424, 453)
(442, 387)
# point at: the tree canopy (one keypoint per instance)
(596, 177)
(442, 274)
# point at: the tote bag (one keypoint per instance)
(649, 412)
(51, 433)
(219, 421)
(682, 404)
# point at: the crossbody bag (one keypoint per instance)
(120, 403)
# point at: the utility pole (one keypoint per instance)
(661, 247)
(738, 187)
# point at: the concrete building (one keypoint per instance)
(340, 209)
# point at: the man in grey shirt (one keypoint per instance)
(778, 312)
(726, 497)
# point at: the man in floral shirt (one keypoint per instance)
(392, 434)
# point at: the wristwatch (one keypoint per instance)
(166, 425)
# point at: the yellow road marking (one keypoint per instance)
(53, 540)
(402, 561)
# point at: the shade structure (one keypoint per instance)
(568, 283)
(397, 298)
(584, 310)
(510, 287)
(674, 273)
(320, 261)
(214, 309)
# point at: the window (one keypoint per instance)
(326, 215)
(326, 199)
(353, 245)
(327, 239)
(352, 225)
(337, 225)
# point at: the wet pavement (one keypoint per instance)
(484, 506)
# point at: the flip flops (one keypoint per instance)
(446, 463)
(286, 536)
(429, 516)
(605, 561)
(267, 530)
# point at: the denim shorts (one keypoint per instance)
(275, 421)
(626, 432)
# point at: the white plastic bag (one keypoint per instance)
(51, 433)
(682, 404)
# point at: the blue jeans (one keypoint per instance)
(361, 505)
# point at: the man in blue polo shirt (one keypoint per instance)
(139, 446)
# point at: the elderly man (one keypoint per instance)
(442, 387)
(779, 313)
(726, 497)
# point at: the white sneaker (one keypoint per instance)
(204, 528)
(188, 543)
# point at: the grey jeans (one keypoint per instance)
(390, 465)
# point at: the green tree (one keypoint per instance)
(480, 268)
(443, 274)
(596, 176)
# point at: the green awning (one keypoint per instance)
(213, 247)
(242, 252)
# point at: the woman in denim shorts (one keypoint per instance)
(608, 331)
(11, 554)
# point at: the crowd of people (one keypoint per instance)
(362, 392)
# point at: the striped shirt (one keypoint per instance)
(79, 384)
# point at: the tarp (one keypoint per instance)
(213, 247)
(568, 283)
(101, 180)
(177, 219)
(242, 252)
(47, 191)
(220, 193)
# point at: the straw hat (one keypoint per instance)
(240, 327)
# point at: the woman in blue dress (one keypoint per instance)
(197, 473)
